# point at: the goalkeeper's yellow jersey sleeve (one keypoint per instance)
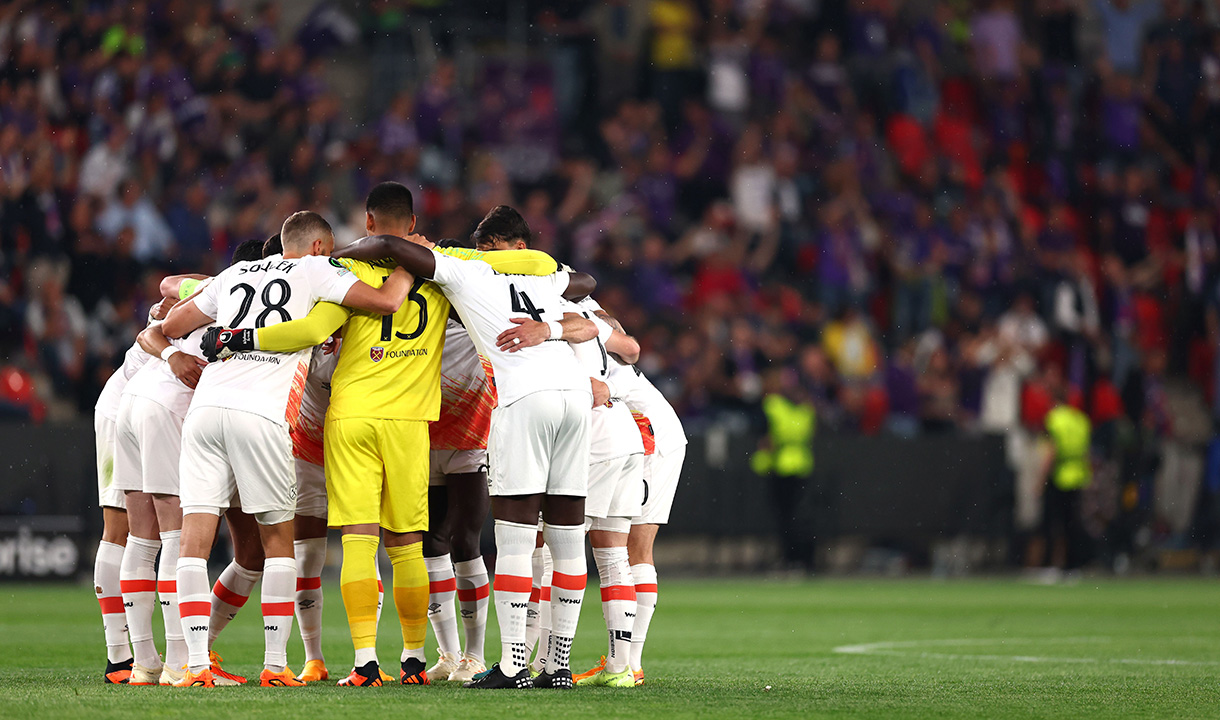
(321, 322)
(390, 365)
(508, 262)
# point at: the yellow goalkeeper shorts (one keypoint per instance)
(377, 473)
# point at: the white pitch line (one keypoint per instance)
(907, 648)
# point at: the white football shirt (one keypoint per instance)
(157, 382)
(257, 294)
(467, 397)
(633, 387)
(612, 430)
(486, 301)
(108, 402)
(311, 397)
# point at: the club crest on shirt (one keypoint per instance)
(376, 354)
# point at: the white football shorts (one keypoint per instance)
(108, 495)
(311, 488)
(148, 442)
(616, 487)
(661, 474)
(540, 444)
(454, 462)
(229, 455)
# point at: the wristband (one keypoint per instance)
(169, 352)
(556, 330)
(610, 386)
(604, 330)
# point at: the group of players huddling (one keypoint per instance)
(305, 387)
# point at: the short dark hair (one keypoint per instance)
(300, 228)
(273, 246)
(391, 201)
(502, 223)
(251, 249)
(468, 243)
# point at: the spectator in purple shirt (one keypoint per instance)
(901, 386)
(996, 35)
(842, 270)
(914, 273)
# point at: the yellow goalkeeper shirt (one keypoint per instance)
(389, 365)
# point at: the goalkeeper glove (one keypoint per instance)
(221, 343)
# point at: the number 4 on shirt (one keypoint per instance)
(521, 303)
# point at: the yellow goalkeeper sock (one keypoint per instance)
(411, 596)
(358, 585)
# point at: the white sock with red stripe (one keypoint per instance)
(532, 628)
(442, 613)
(514, 544)
(645, 575)
(473, 592)
(279, 589)
(567, 544)
(138, 583)
(544, 610)
(310, 557)
(229, 594)
(618, 604)
(167, 590)
(110, 600)
(195, 606)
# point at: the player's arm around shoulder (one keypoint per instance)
(323, 320)
(527, 333)
(187, 368)
(508, 262)
(383, 300)
(414, 255)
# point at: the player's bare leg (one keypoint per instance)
(462, 509)
(106, 584)
(138, 583)
(310, 550)
(639, 552)
(442, 585)
(169, 520)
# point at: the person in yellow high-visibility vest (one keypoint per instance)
(785, 458)
(1067, 471)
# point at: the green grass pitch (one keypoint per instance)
(828, 648)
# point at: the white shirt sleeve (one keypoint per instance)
(451, 272)
(329, 279)
(558, 282)
(207, 300)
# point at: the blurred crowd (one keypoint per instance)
(918, 214)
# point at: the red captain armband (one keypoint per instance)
(645, 426)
